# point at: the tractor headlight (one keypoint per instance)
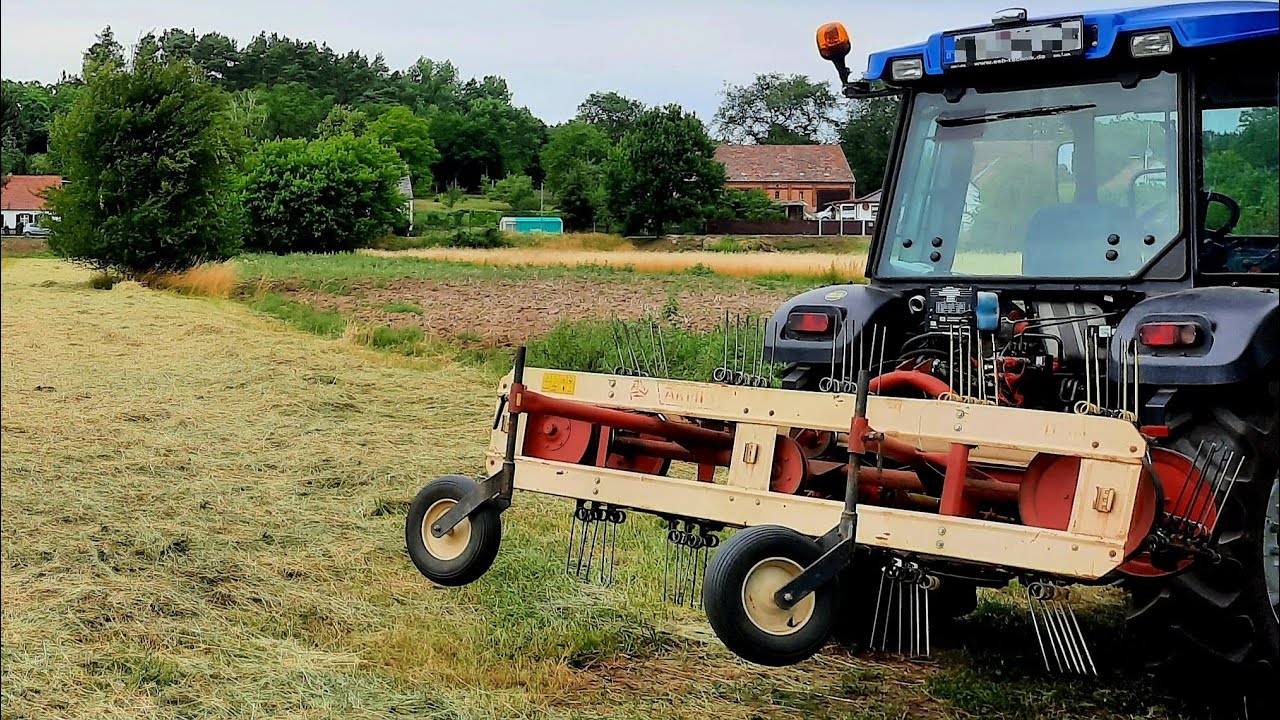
(1152, 44)
(907, 69)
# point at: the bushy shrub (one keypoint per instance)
(484, 239)
(149, 151)
(326, 195)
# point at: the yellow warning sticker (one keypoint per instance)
(559, 383)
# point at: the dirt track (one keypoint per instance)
(506, 312)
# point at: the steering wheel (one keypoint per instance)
(1233, 208)
(1216, 248)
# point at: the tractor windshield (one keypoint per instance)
(1063, 182)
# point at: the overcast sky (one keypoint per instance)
(552, 52)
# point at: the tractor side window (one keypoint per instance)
(1241, 191)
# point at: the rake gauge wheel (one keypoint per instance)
(738, 596)
(464, 553)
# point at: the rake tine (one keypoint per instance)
(573, 526)
(631, 348)
(1137, 383)
(1223, 503)
(995, 371)
(1195, 460)
(773, 351)
(928, 622)
(1031, 608)
(951, 359)
(1191, 512)
(595, 536)
(1083, 644)
(875, 619)
(1106, 352)
(735, 377)
(835, 332)
(613, 325)
(1211, 501)
(760, 339)
(666, 563)
(653, 350)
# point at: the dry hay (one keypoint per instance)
(216, 280)
(203, 515)
(737, 264)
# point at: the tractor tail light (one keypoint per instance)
(1169, 334)
(809, 322)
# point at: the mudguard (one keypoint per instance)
(1239, 327)
(857, 306)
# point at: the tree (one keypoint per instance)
(326, 195)
(293, 110)
(105, 54)
(410, 136)
(516, 191)
(663, 172)
(343, 120)
(581, 197)
(569, 148)
(611, 112)
(776, 109)
(755, 205)
(150, 152)
(866, 137)
(452, 195)
(429, 84)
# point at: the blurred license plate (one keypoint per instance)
(1060, 38)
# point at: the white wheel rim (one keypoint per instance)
(764, 580)
(451, 544)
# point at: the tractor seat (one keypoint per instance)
(1070, 240)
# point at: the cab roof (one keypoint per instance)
(1195, 24)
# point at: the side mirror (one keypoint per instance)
(1064, 173)
(834, 45)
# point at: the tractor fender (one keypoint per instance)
(1239, 330)
(856, 306)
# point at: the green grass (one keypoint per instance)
(400, 306)
(470, 202)
(324, 323)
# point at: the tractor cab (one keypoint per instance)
(1134, 148)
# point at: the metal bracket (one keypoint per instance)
(493, 488)
(499, 486)
(816, 575)
(840, 554)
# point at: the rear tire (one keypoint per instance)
(738, 596)
(464, 553)
(1217, 623)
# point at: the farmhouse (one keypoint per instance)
(22, 200)
(816, 175)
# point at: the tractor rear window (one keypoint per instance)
(1063, 182)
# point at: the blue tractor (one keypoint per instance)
(1080, 214)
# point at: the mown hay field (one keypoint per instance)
(202, 518)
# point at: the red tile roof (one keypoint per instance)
(23, 192)
(785, 163)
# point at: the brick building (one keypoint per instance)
(816, 175)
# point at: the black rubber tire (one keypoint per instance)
(484, 525)
(1214, 623)
(723, 597)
